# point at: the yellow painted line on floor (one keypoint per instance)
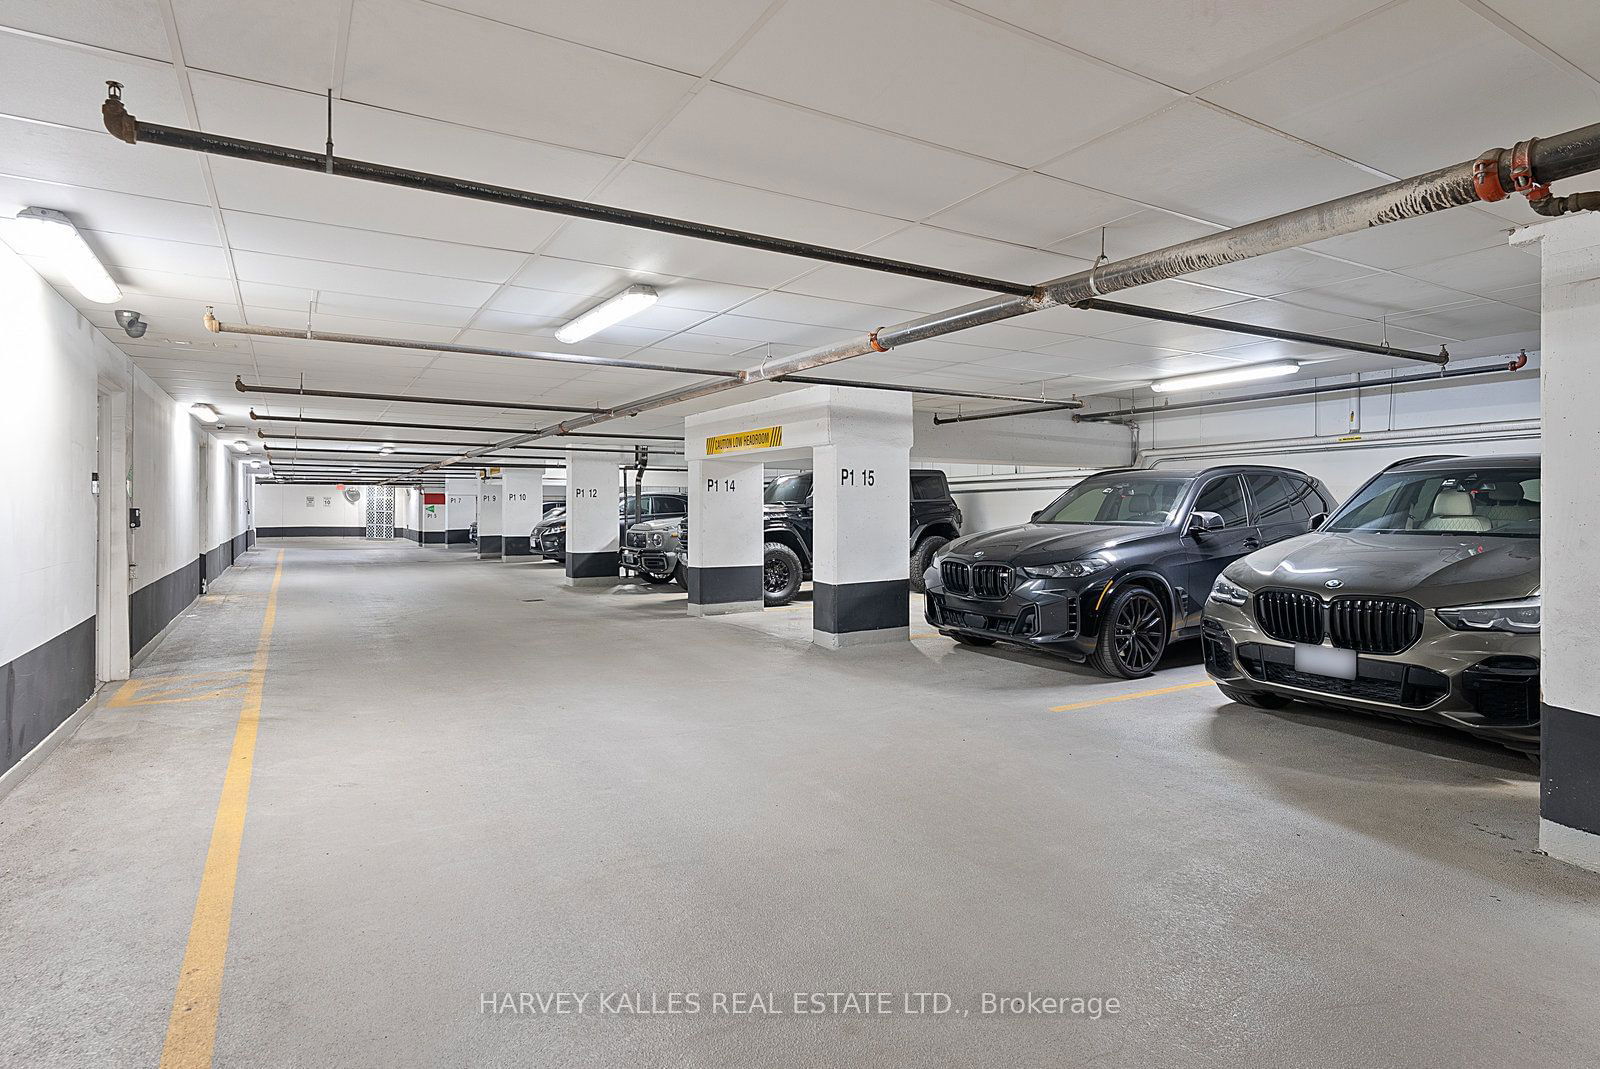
(178, 689)
(192, 1028)
(1129, 697)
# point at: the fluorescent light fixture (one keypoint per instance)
(50, 234)
(205, 413)
(1250, 373)
(630, 301)
(241, 446)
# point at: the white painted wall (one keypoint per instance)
(309, 505)
(53, 366)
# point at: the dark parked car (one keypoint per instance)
(549, 535)
(1419, 599)
(1120, 565)
(788, 517)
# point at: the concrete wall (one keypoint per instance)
(311, 510)
(58, 370)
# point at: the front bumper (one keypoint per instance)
(1053, 615)
(552, 544)
(656, 561)
(1483, 682)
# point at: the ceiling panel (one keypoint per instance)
(1415, 241)
(1035, 209)
(1406, 89)
(132, 26)
(98, 160)
(684, 37)
(495, 77)
(1199, 161)
(958, 81)
(350, 278)
(286, 42)
(368, 248)
(1570, 30)
(741, 138)
(112, 213)
(61, 84)
(1182, 45)
(1484, 271)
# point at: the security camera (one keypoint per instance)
(129, 321)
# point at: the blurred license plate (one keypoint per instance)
(1324, 661)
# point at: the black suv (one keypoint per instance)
(1119, 565)
(549, 535)
(787, 519)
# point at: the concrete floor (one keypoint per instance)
(469, 779)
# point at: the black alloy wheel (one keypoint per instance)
(1133, 634)
(781, 574)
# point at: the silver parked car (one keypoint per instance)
(1418, 599)
(657, 550)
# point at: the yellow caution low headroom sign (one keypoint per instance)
(763, 438)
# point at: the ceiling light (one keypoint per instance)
(50, 234)
(387, 449)
(255, 463)
(205, 413)
(1252, 373)
(241, 446)
(630, 301)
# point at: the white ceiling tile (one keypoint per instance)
(1481, 272)
(876, 287)
(684, 37)
(645, 252)
(1414, 241)
(1475, 319)
(958, 81)
(845, 315)
(726, 134)
(1144, 231)
(1405, 89)
(118, 213)
(340, 324)
(100, 161)
(1178, 336)
(180, 257)
(1571, 30)
(965, 252)
(1375, 296)
(144, 281)
(281, 116)
(132, 26)
(1528, 296)
(1196, 160)
(286, 42)
(1182, 45)
(1282, 272)
(61, 84)
(495, 77)
(348, 278)
(768, 330)
(1035, 209)
(367, 248)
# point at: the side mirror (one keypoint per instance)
(1201, 522)
(1317, 521)
(1035, 517)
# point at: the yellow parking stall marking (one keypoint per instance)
(179, 689)
(1129, 697)
(192, 1027)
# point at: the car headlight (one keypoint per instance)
(1229, 593)
(1071, 569)
(1519, 617)
(655, 538)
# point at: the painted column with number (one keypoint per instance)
(724, 528)
(860, 556)
(490, 523)
(593, 491)
(522, 506)
(460, 510)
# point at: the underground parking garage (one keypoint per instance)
(799, 533)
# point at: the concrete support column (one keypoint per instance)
(432, 524)
(460, 510)
(860, 557)
(490, 523)
(1569, 809)
(724, 537)
(592, 495)
(522, 499)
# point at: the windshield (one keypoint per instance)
(1119, 501)
(789, 490)
(1500, 502)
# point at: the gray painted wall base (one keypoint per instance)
(12, 778)
(591, 580)
(1575, 847)
(724, 608)
(828, 640)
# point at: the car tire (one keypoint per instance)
(1254, 699)
(971, 640)
(922, 560)
(1133, 634)
(781, 574)
(680, 575)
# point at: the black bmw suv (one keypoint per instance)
(1120, 565)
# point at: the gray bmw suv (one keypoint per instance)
(1418, 599)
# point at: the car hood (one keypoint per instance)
(1044, 543)
(1434, 570)
(672, 524)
